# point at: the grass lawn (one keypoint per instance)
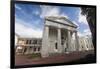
(33, 55)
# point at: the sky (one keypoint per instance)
(29, 18)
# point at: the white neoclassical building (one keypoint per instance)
(57, 36)
(16, 38)
(28, 45)
(85, 43)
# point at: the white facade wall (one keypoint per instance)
(28, 46)
(52, 41)
(85, 43)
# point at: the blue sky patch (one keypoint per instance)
(29, 19)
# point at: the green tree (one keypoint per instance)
(91, 19)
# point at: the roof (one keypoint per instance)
(29, 38)
(61, 19)
(17, 34)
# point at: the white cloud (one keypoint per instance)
(87, 32)
(84, 33)
(75, 23)
(82, 18)
(80, 34)
(17, 7)
(51, 11)
(25, 31)
(36, 12)
(63, 14)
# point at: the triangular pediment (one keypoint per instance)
(62, 20)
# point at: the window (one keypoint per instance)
(62, 43)
(62, 38)
(82, 47)
(34, 48)
(87, 46)
(38, 48)
(56, 47)
(65, 49)
(32, 41)
(39, 42)
(27, 42)
(35, 41)
(25, 50)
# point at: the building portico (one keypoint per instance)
(57, 36)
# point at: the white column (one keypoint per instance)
(45, 42)
(76, 41)
(28, 50)
(65, 44)
(22, 51)
(37, 49)
(59, 41)
(69, 41)
(32, 49)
